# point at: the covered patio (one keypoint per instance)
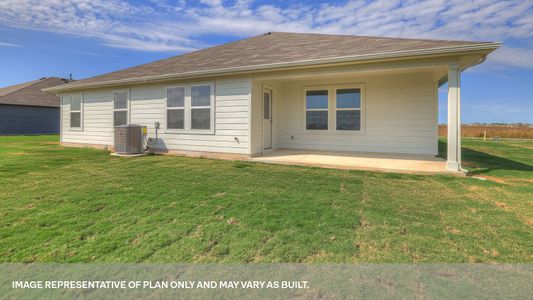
(394, 125)
(399, 163)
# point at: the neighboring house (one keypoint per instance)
(282, 91)
(26, 109)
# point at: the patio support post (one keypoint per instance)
(453, 162)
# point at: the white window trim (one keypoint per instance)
(332, 109)
(317, 88)
(127, 109)
(188, 109)
(70, 111)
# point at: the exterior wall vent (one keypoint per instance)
(128, 139)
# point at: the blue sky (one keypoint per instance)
(90, 37)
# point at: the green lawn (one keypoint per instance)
(82, 205)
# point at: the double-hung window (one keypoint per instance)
(120, 108)
(201, 107)
(348, 108)
(316, 109)
(176, 107)
(75, 111)
(190, 108)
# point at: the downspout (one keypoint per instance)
(480, 61)
(60, 95)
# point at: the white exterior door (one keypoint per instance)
(267, 119)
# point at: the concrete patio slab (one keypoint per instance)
(399, 163)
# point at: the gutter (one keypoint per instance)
(263, 67)
(444, 79)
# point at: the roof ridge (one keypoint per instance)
(378, 37)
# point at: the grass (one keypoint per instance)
(81, 205)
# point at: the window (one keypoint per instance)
(190, 108)
(335, 108)
(316, 110)
(266, 105)
(176, 108)
(348, 109)
(201, 107)
(75, 111)
(120, 108)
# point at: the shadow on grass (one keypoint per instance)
(481, 162)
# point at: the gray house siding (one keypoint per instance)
(20, 119)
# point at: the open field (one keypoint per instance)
(82, 205)
(492, 131)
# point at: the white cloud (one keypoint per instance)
(177, 25)
(512, 57)
(2, 44)
(117, 23)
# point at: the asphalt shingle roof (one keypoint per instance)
(30, 93)
(271, 48)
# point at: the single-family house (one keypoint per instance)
(26, 109)
(283, 91)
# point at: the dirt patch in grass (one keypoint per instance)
(453, 230)
(503, 205)
(233, 221)
(17, 153)
(492, 178)
(319, 256)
